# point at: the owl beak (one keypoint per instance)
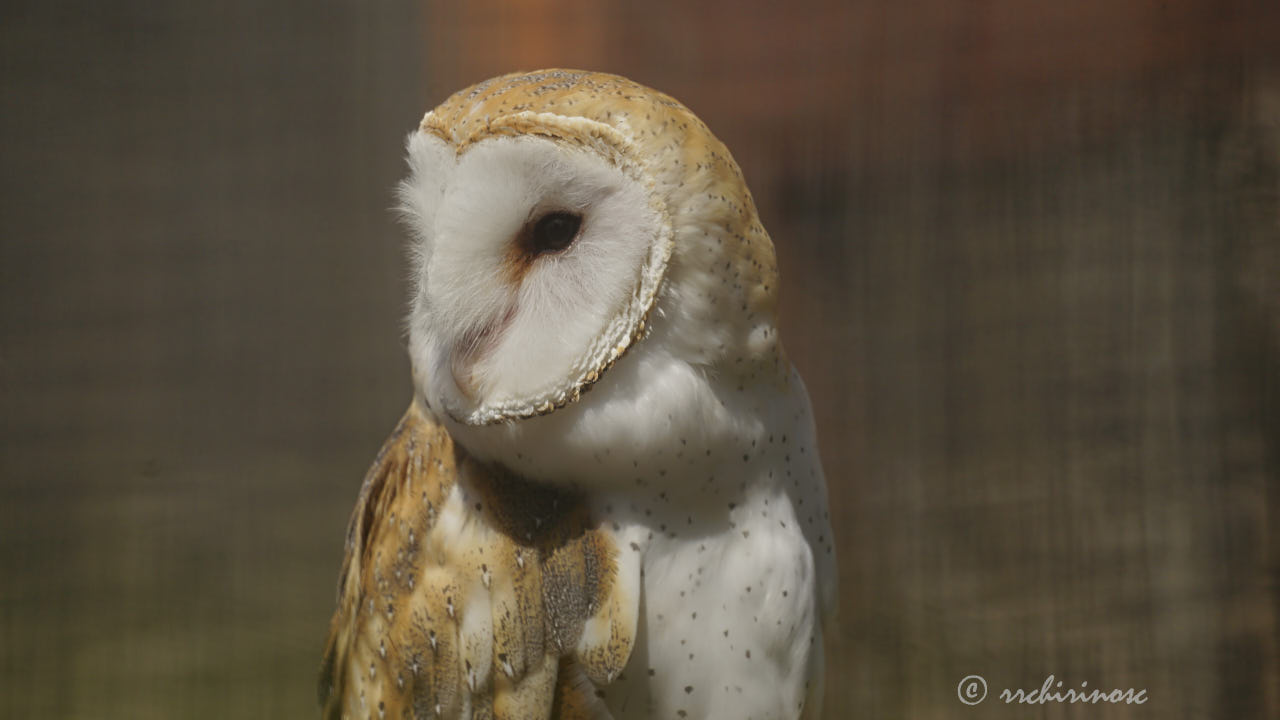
(464, 380)
(472, 348)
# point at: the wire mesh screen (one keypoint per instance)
(1030, 262)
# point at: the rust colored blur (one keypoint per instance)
(1030, 260)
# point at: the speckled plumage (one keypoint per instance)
(656, 547)
(467, 593)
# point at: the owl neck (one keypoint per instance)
(653, 424)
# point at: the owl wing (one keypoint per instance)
(468, 592)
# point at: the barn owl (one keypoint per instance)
(658, 547)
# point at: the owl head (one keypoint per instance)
(571, 231)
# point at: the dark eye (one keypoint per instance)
(555, 231)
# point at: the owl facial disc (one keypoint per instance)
(541, 247)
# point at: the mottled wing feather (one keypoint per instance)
(468, 592)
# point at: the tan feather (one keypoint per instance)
(469, 592)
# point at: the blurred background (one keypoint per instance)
(1031, 274)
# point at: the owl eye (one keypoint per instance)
(555, 231)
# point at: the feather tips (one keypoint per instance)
(468, 592)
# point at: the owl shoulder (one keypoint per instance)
(465, 588)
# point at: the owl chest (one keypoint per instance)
(727, 617)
